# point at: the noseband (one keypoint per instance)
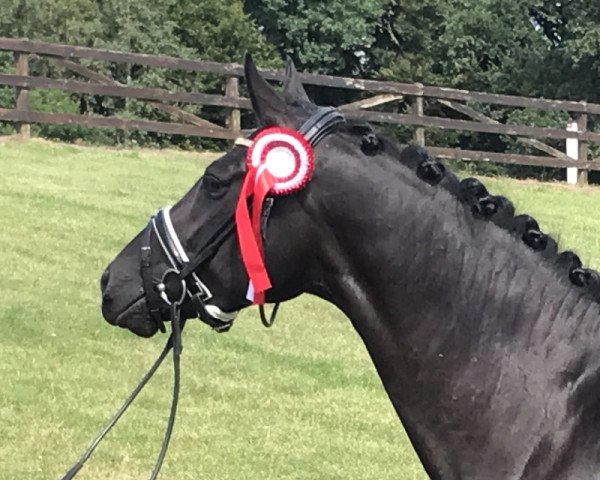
(180, 282)
(187, 283)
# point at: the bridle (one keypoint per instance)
(187, 282)
(180, 282)
(317, 127)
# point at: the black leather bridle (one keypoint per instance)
(157, 294)
(180, 282)
(184, 282)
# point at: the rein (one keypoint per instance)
(182, 274)
(174, 343)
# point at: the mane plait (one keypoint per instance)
(429, 169)
(500, 210)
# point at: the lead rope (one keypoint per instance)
(173, 342)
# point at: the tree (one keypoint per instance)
(66, 21)
(208, 29)
(326, 37)
(221, 31)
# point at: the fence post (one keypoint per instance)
(417, 109)
(22, 95)
(572, 145)
(232, 90)
(577, 150)
(582, 153)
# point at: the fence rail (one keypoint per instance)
(383, 92)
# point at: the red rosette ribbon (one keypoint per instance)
(280, 161)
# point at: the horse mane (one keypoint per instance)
(500, 211)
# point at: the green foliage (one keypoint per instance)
(75, 22)
(407, 40)
(210, 30)
(524, 47)
(326, 37)
(221, 31)
(521, 47)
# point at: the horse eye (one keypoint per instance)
(213, 187)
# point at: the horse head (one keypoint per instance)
(297, 228)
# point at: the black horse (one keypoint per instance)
(485, 338)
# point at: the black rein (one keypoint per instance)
(319, 125)
(174, 342)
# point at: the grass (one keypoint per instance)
(299, 401)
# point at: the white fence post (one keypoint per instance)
(572, 152)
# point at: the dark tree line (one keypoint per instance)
(524, 47)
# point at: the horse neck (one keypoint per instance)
(471, 334)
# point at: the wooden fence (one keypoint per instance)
(381, 92)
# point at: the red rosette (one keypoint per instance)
(285, 155)
(280, 161)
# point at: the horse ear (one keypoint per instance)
(293, 90)
(269, 106)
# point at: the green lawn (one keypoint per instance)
(299, 401)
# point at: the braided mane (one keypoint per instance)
(500, 210)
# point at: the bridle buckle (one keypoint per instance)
(162, 288)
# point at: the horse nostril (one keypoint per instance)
(104, 280)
